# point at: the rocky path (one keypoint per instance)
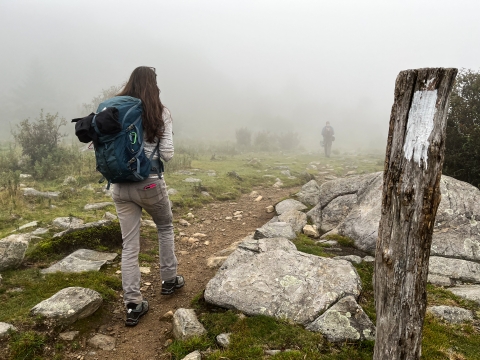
(149, 339)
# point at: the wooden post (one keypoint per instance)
(411, 194)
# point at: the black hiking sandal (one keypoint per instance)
(169, 287)
(135, 312)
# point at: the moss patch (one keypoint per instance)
(96, 238)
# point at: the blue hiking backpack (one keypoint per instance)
(117, 134)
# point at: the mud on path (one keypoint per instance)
(149, 339)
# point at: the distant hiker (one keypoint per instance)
(328, 138)
(149, 194)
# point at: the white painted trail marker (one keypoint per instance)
(420, 126)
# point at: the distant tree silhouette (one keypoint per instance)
(244, 137)
(289, 140)
(105, 94)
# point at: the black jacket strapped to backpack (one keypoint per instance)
(107, 123)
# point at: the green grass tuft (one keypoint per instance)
(342, 240)
(307, 245)
(26, 346)
(366, 298)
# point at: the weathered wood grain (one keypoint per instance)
(411, 194)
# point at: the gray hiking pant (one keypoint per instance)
(130, 198)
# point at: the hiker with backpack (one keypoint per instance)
(132, 134)
(328, 138)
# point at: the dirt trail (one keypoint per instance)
(150, 337)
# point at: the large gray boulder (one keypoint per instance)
(344, 321)
(336, 210)
(469, 292)
(454, 269)
(12, 251)
(310, 193)
(451, 314)
(275, 229)
(361, 223)
(81, 260)
(295, 218)
(68, 305)
(455, 246)
(270, 277)
(289, 204)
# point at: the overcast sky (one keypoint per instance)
(277, 65)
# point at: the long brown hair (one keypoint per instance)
(143, 85)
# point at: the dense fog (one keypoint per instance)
(222, 65)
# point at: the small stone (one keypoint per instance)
(258, 198)
(5, 328)
(97, 206)
(253, 194)
(236, 213)
(190, 216)
(278, 183)
(103, 342)
(270, 209)
(172, 191)
(183, 222)
(186, 324)
(216, 261)
(368, 258)
(223, 340)
(39, 231)
(272, 352)
(207, 243)
(30, 224)
(199, 235)
(192, 180)
(311, 230)
(69, 335)
(192, 240)
(228, 218)
(352, 258)
(167, 343)
(149, 223)
(109, 216)
(168, 315)
(196, 355)
(118, 272)
(144, 270)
